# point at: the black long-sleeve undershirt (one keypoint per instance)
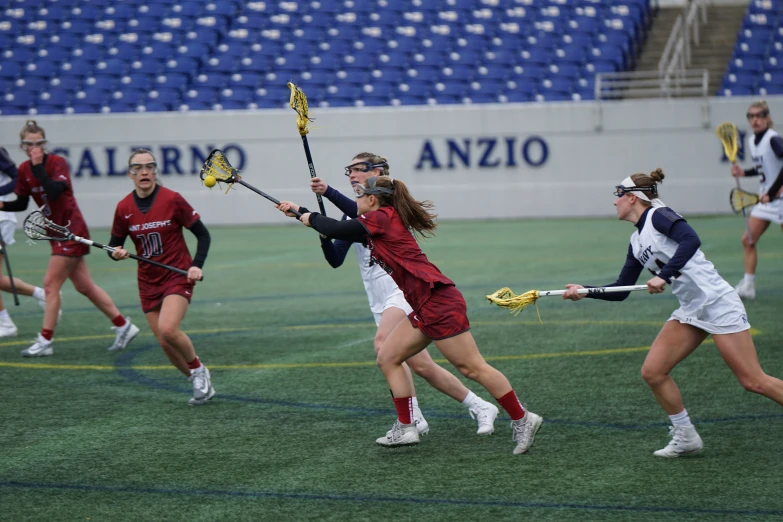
(349, 230)
(53, 189)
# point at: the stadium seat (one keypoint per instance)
(339, 44)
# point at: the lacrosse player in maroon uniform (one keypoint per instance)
(388, 219)
(46, 178)
(153, 216)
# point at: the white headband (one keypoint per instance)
(655, 202)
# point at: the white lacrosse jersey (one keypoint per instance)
(7, 216)
(697, 285)
(764, 160)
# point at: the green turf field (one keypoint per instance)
(89, 435)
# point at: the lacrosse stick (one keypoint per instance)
(505, 298)
(218, 168)
(8, 269)
(727, 134)
(36, 226)
(742, 199)
(298, 102)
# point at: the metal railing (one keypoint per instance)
(685, 32)
(652, 84)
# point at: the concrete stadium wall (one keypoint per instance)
(475, 162)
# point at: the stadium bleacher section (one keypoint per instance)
(79, 56)
(756, 66)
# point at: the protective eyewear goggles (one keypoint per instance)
(622, 191)
(363, 166)
(361, 190)
(28, 144)
(137, 168)
(760, 114)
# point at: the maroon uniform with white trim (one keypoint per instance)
(158, 236)
(62, 211)
(439, 309)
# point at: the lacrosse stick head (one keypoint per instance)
(505, 298)
(217, 168)
(36, 226)
(298, 102)
(742, 199)
(727, 134)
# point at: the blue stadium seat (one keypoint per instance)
(10, 69)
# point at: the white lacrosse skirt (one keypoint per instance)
(383, 293)
(7, 229)
(772, 211)
(725, 316)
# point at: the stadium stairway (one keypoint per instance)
(716, 44)
(717, 41)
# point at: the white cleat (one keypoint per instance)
(524, 431)
(422, 426)
(685, 441)
(746, 290)
(485, 413)
(40, 348)
(125, 334)
(202, 386)
(8, 328)
(400, 435)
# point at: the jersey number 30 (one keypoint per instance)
(151, 244)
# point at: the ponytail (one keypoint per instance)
(415, 215)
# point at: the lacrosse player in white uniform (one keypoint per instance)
(766, 151)
(8, 175)
(667, 246)
(388, 304)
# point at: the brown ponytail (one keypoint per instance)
(415, 215)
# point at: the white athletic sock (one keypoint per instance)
(4, 314)
(415, 402)
(39, 293)
(749, 278)
(469, 399)
(681, 419)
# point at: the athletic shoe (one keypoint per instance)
(125, 334)
(485, 413)
(202, 386)
(422, 426)
(40, 348)
(746, 289)
(685, 441)
(524, 431)
(7, 328)
(400, 435)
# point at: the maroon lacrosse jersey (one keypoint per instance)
(62, 211)
(157, 236)
(395, 250)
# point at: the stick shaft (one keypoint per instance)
(597, 290)
(95, 244)
(264, 194)
(744, 212)
(8, 269)
(311, 166)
